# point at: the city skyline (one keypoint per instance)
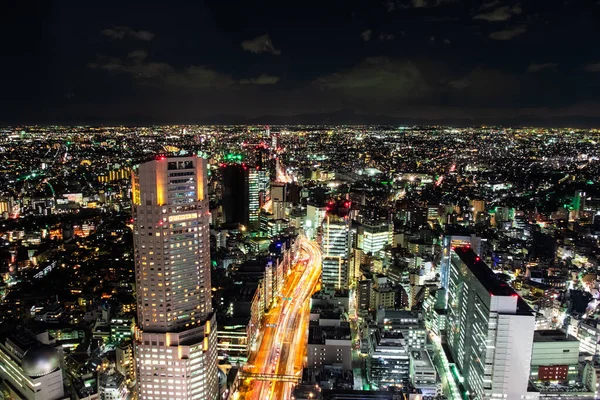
(299, 261)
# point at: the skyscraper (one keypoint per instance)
(258, 183)
(335, 244)
(490, 330)
(175, 339)
(235, 194)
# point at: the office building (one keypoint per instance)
(258, 186)
(452, 240)
(235, 194)
(389, 363)
(315, 214)
(423, 375)
(329, 345)
(554, 357)
(335, 245)
(175, 342)
(279, 199)
(373, 236)
(489, 331)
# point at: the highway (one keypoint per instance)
(283, 335)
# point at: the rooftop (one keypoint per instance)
(553, 335)
(488, 278)
(483, 273)
(320, 334)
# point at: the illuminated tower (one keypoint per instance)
(335, 244)
(175, 340)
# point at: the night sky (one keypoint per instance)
(179, 62)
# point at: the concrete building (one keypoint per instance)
(30, 367)
(175, 343)
(112, 386)
(554, 357)
(314, 217)
(124, 360)
(373, 236)
(588, 333)
(490, 330)
(389, 363)
(335, 245)
(453, 239)
(423, 375)
(329, 345)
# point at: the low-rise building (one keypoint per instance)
(554, 357)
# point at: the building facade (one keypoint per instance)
(335, 245)
(490, 330)
(175, 341)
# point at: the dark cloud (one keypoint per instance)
(503, 13)
(508, 34)
(366, 35)
(489, 4)
(161, 73)
(460, 83)
(419, 3)
(484, 87)
(260, 44)
(378, 77)
(194, 62)
(539, 67)
(385, 37)
(138, 55)
(263, 79)
(595, 67)
(392, 5)
(120, 32)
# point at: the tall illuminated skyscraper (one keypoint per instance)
(335, 244)
(175, 339)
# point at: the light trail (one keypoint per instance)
(281, 348)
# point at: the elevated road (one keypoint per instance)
(277, 361)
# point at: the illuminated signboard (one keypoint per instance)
(182, 217)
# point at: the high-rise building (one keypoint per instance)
(314, 217)
(175, 343)
(335, 245)
(451, 240)
(279, 199)
(489, 331)
(235, 194)
(258, 186)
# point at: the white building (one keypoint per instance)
(335, 245)
(422, 373)
(314, 218)
(374, 236)
(111, 386)
(490, 330)
(175, 343)
(30, 368)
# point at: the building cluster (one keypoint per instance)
(456, 263)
